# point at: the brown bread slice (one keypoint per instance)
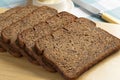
(11, 19)
(9, 13)
(5, 15)
(16, 17)
(76, 48)
(28, 37)
(9, 34)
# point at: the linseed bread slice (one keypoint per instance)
(75, 48)
(5, 15)
(9, 34)
(28, 37)
(14, 17)
(9, 13)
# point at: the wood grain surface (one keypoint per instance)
(12, 68)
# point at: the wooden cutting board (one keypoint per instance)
(12, 68)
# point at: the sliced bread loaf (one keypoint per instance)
(75, 48)
(9, 34)
(14, 17)
(28, 37)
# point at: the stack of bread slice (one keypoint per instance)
(59, 42)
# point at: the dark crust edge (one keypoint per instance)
(23, 52)
(7, 47)
(2, 49)
(82, 18)
(44, 63)
(38, 56)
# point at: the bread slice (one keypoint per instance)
(5, 15)
(14, 16)
(9, 34)
(77, 47)
(9, 13)
(28, 37)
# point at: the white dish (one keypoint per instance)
(69, 5)
(63, 5)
